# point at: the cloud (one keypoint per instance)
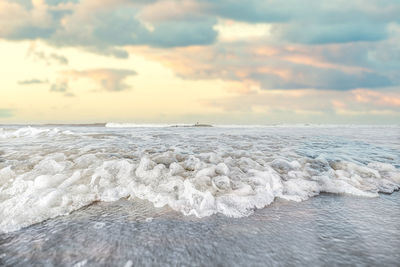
(109, 51)
(313, 33)
(57, 2)
(20, 21)
(108, 25)
(27, 4)
(112, 80)
(326, 45)
(49, 59)
(318, 78)
(60, 87)
(101, 24)
(271, 66)
(315, 22)
(32, 81)
(119, 25)
(311, 104)
(374, 98)
(58, 58)
(177, 10)
(6, 113)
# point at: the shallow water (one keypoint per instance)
(328, 230)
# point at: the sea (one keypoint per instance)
(120, 194)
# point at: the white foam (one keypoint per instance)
(209, 179)
(31, 132)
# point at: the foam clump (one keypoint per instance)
(231, 182)
(29, 132)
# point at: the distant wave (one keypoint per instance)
(281, 125)
(144, 125)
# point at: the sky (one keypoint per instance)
(209, 61)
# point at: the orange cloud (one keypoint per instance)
(390, 99)
(315, 62)
(106, 79)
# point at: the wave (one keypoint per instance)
(199, 185)
(138, 125)
(279, 125)
(197, 173)
(31, 132)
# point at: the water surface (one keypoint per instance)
(328, 230)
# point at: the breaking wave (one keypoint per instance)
(50, 172)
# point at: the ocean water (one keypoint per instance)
(327, 230)
(230, 175)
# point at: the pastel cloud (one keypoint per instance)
(169, 23)
(287, 55)
(112, 80)
(316, 22)
(323, 104)
(272, 66)
(100, 25)
(60, 87)
(107, 27)
(49, 59)
(18, 21)
(32, 81)
(376, 98)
